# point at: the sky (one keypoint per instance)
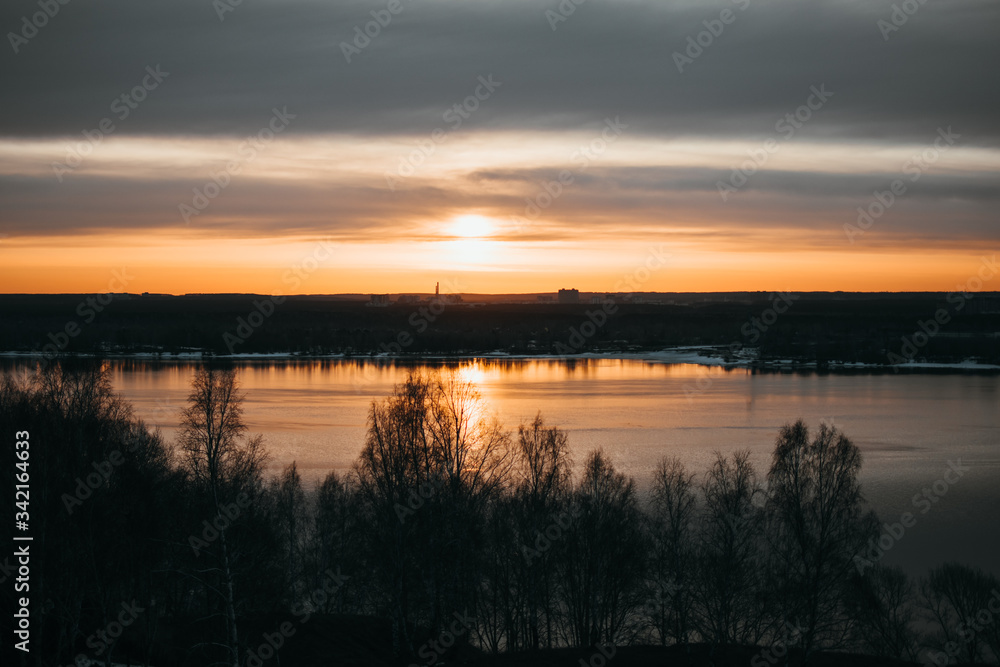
(299, 146)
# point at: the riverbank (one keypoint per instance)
(709, 356)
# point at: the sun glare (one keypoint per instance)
(471, 226)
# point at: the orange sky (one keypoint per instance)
(496, 147)
(253, 267)
(464, 217)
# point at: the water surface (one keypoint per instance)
(909, 426)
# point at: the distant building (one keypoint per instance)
(379, 300)
(569, 296)
(408, 298)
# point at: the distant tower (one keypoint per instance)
(437, 289)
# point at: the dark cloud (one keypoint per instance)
(607, 59)
(976, 188)
(606, 202)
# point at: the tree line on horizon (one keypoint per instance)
(457, 533)
(822, 329)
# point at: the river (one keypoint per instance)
(911, 427)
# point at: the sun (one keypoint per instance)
(469, 241)
(471, 226)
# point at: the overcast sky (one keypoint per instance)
(645, 125)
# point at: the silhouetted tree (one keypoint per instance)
(224, 464)
(818, 523)
(96, 474)
(291, 525)
(604, 555)
(957, 599)
(883, 609)
(445, 512)
(731, 594)
(340, 527)
(673, 513)
(432, 461)
(542, 493)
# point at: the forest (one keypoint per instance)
(820, 328)
(454, 539)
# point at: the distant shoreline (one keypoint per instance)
(758, 332)
(668, 356)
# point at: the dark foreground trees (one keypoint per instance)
(604, 556)
(818, 523)
(433, 461)
(225, 470)
(462, 536)
(101, 491)
(734, 596)
(672, 565)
